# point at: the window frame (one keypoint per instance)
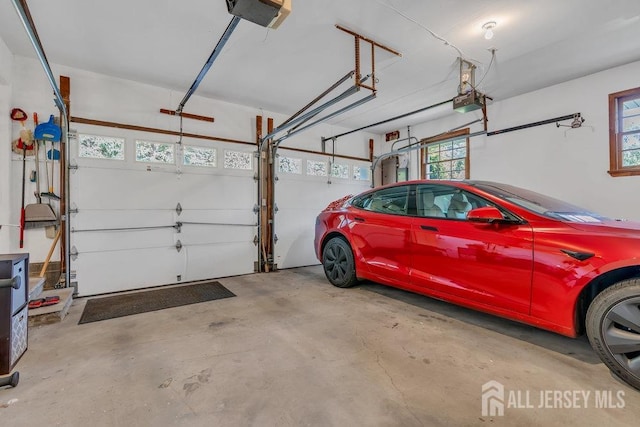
(436, 140)
(615, 138)
(364, 201)
(124, 147)
(172, 145)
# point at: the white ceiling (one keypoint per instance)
(166, 42)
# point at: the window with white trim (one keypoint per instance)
(624, 132)
(154, 152)
(199, 156)
(238, 160)
(100, 147)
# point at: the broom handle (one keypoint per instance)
(35, 141)
(53, 246)
(24, 167)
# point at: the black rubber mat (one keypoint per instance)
(144, 301)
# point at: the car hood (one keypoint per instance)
(610, 227)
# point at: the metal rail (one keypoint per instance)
(327, 117)
(214, 54)
(319, 97)
(401, 116)
(533, 124)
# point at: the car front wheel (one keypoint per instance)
(338, 263)
(613, 327)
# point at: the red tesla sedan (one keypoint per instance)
(499, 249)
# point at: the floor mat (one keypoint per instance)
(144, 301)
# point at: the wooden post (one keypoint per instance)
(65, 91)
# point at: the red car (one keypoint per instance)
(499, 249)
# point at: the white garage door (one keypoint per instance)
(306, 185)
(128, 231)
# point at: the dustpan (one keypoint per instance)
(48, 131)
(37, 212)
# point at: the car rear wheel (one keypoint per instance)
(613, 327)
(337, 260)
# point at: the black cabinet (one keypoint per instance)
(14, 299)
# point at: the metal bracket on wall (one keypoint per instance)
(256, 209)
(73, 253)
(73, 209)
(255, 240)
(178, 246)
(178, 227)
(178, 209)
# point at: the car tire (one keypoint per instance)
(613, 328)
(338, 263)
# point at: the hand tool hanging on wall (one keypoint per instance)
(23, 144)
(24, 167)
(39, 214)
(52, 155)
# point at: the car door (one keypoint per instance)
(489, 264)
(380, 229)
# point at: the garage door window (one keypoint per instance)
(101, 147)
(199, 156)
(339, 170)
(237, 160)
(316, 168)
(624, 132)
(361, 173)
(154, 152)
(290, 165)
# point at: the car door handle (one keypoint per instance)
(358, 219)
(428, 228)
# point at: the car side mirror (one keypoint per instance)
(487, 214)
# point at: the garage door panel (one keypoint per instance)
(119, 270)
(125, 189)
(207, 234)
(217, 191)
(295, 248)
(219, 260)
(300, 198)
(124, 240)
(219, 216)
(99, 219)
(128, 194)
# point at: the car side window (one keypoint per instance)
(394, 200)
(442, 201)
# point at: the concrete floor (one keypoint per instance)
(292, 350)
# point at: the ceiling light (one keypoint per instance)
(488, 29)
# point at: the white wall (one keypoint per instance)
(570, 164)
(6, 207)
(96, 96)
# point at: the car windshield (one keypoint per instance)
(540, 204)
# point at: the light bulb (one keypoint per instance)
(488, 29)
